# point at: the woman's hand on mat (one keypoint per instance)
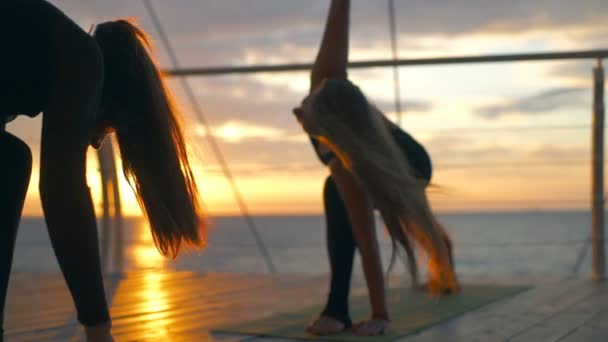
(325, 325)
(372, 327)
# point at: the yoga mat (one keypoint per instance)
(410, 312)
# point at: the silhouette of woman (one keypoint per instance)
(374, 165)
(87, 86)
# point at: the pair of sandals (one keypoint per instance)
(326, 325)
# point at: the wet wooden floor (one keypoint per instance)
(183, 306)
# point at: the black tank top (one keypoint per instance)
(25, 57)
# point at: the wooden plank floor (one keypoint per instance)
(152, 305)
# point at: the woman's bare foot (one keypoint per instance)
(372, 327)
(325, 325)
(99, 333)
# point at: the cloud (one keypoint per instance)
(444, 142)
(226, 32)
(456, 149)
(471, 16)
(578, 72)
(593, 36)
(244, 170)
(471, 155)
(218, 19)
(289, 31)
(243, 98)
(541, 103)
(407, 106)
(242, 132)
(264, 146)
(557, 153)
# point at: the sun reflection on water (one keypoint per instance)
(144, 254)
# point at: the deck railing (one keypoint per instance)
(597, 184)
(523, 57)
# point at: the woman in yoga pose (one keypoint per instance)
(87, 86)
(374, 165)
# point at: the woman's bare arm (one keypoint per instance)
(361, 215)
(66, 126)
(332, 58)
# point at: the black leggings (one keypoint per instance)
(341, 243)
(15, 169)
(78, 248)
(341, 249)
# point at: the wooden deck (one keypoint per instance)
(183, 306)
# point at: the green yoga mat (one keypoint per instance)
(410, 312)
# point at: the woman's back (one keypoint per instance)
(27, 66)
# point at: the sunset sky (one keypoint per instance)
(503, 136)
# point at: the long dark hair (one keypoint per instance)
(137, 104)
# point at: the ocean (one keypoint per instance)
(518, 243)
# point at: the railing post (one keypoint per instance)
(111, 202)
(597, 185)
(118, 221)
(106, 223)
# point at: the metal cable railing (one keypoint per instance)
(522, 57)
(598, 118)
(211, 139)
(598, 201)
(395, 50)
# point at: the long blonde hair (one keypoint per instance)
(152, 145)
(356, 132)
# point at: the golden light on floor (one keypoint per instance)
(155, 303)
(154, 295)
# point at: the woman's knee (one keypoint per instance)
(15, 155)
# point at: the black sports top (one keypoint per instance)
(25, 57)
